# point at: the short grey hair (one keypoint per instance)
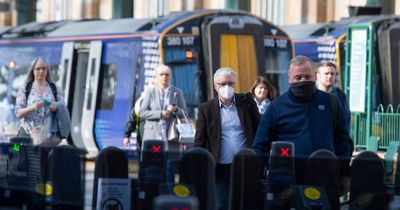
(162, 67)
(224, 71)
(300, 60)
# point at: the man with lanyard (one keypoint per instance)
(225, 125)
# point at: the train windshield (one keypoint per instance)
(185, 75)
(276, 65)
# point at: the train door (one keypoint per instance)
(388, 36)
(236, 42)
(80, 65)
(90, 99)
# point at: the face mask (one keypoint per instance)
(303, 90)
(226, 92)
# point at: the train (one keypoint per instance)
(102, 66)
(365, 50)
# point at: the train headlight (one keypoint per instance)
(12, 64)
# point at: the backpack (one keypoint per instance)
(334, 100)
(28, 89)
(335, 109)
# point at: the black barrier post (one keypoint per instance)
(152, 172)
(66, 175)
(245, 191)
(111, 162)
(323, 170)
(198, 168)
(171, 202)
(281, 174)
(367, 189)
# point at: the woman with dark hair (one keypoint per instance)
(36, 100)
(263, 92)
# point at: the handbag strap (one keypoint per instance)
(184, 116)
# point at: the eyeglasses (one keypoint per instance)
(40, 68)
(225, 83)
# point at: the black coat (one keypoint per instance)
(208, 126)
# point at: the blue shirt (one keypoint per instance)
(263, 105)
(232, 135)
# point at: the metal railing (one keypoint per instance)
(385, 124)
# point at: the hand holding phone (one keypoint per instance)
(47, 102)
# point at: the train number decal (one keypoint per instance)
(180, 40)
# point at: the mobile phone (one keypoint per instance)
(47, 102)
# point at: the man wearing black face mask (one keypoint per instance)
(304, 115)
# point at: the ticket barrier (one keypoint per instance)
(196, 178)
(245, 191)
(22, 176)
(323, 169)
(367, 188)
(152, 173)
(151, 181)
(197, 169)
(280, 188)
(30, 177)
(280, 176)
(111, 162)
(152, 163)
(66, 178)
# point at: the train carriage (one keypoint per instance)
(376, 75)
(372, 82)
(103, 65)
(325, 41)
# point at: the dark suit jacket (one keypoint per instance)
(208, 125)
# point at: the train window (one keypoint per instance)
(91, 83)
(276, 68)
(18, 81)
(65, 70)
(4, 77)
(108, 86)
(12, 80)
(185, 75)
(180, 55)
(55, 74)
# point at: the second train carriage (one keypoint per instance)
(325, 41)
(375, 80)
(103, 65)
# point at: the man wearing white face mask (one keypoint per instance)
(225, 125)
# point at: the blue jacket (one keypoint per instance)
(309, 125)
(59, 123)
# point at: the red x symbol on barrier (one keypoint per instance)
(156, 149)
(285, 152)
